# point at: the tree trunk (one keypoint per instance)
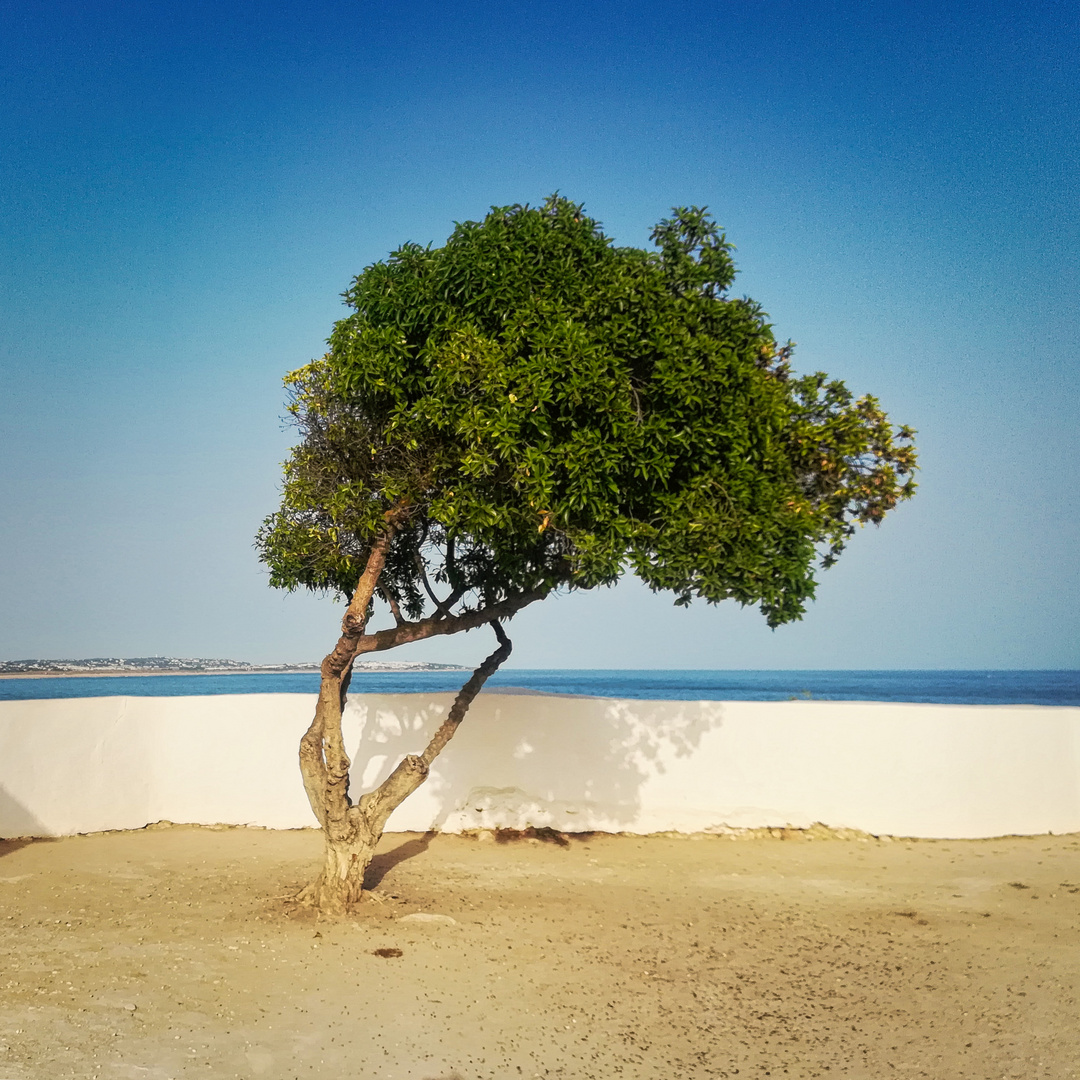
(341, 882)
(352, 832)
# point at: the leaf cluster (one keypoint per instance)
(535, 407)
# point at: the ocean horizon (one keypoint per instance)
(924, 686)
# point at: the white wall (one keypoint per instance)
(82, 765)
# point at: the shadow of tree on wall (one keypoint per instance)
(18, 826)
(572, 764)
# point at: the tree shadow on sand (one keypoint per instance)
(385, 861)
(571, 764)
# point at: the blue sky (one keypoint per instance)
(185, 191)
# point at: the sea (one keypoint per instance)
(933, 687)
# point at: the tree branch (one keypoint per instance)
(451, 558)
(446, 605)
(467, 694)
(442, 606)
(435, 625)
(324, 764)
(394, 608)
(354, 620)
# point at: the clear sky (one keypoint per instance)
(186, 189)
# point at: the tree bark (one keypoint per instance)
(324, 765)
(352, 832)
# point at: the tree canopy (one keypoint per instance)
(531, 407)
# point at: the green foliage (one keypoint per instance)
(541, 408)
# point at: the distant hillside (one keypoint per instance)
(161, 665)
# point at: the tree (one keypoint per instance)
(530, 408)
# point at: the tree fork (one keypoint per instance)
(351, 841)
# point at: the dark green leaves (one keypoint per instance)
(554, 410)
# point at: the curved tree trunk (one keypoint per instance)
(352, 832)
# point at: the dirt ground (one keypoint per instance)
(169, 953)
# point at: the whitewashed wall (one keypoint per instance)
(82, 765)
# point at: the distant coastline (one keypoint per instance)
(109, 667)
(149, 672)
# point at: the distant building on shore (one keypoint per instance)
(159, 665)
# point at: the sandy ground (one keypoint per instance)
(164, 953)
